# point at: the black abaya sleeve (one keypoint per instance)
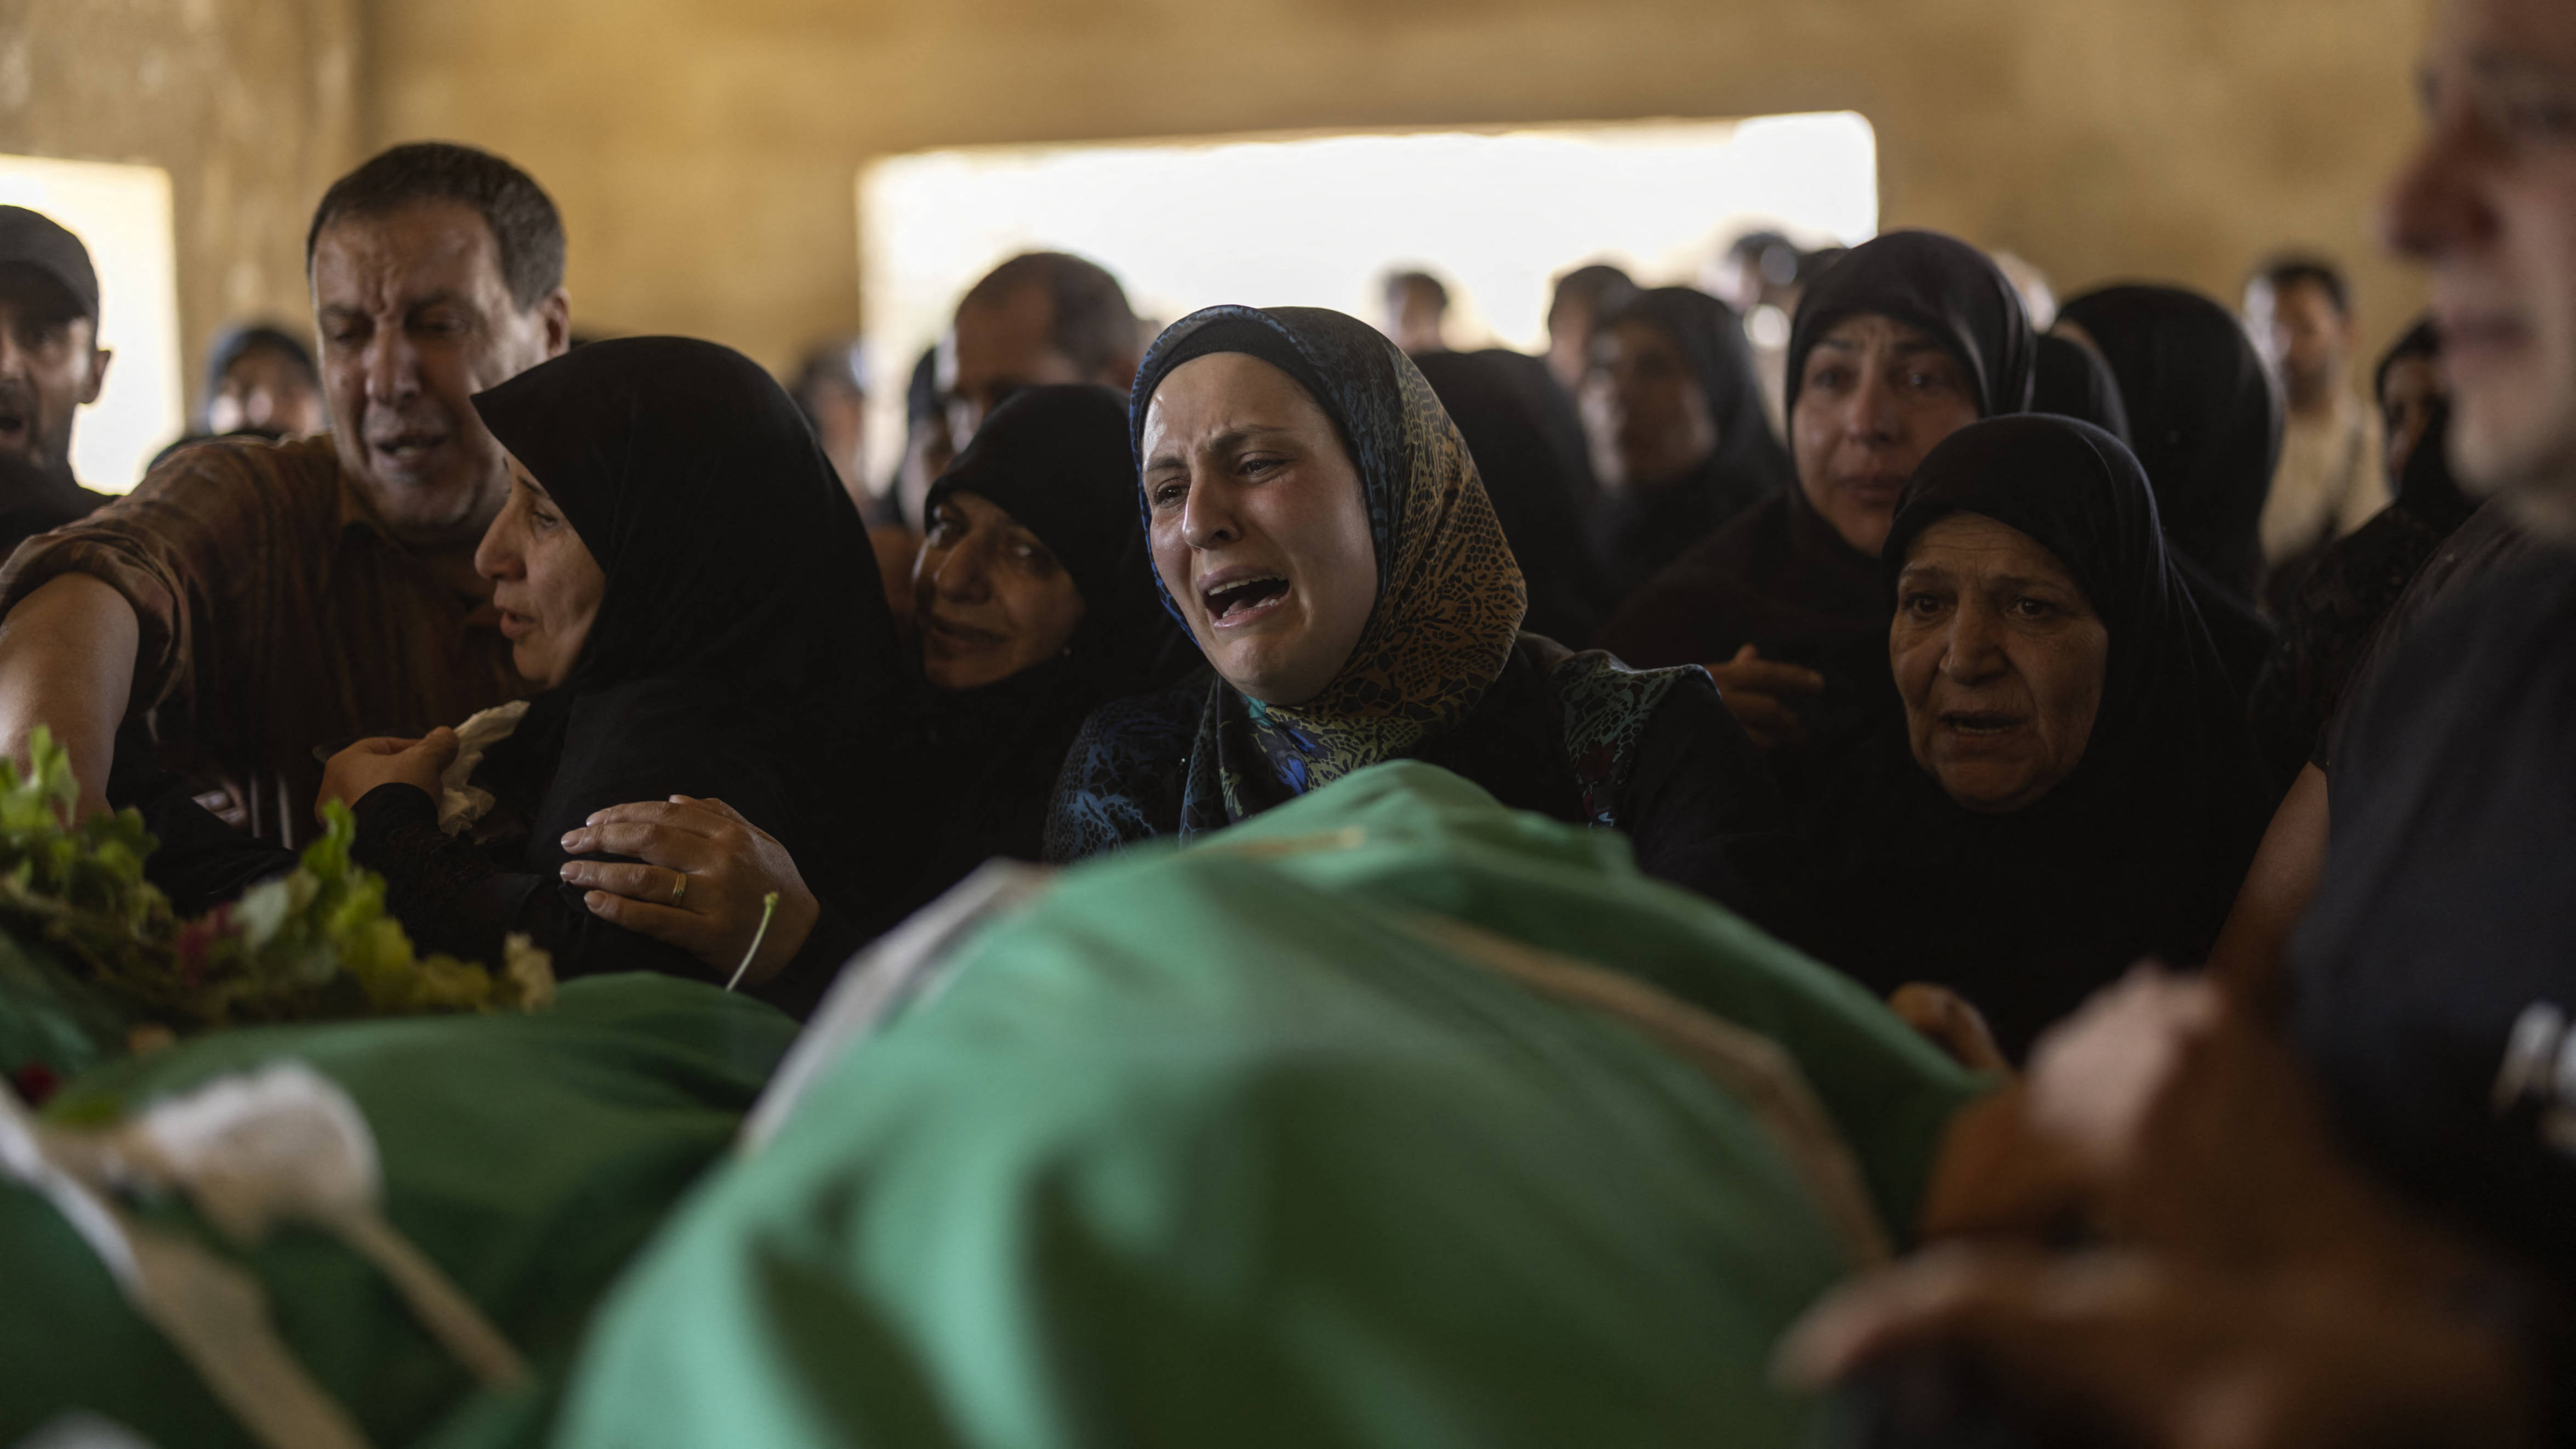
(452, 897)
(1697, 792)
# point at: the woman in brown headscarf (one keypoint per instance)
(1317, 524)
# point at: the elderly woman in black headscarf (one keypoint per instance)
(1317, 524)
(2205, 421)
(1672, 406)
(1899, 344)
(681, 570)
(2070, 787)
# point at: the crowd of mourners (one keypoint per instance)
(1979, 646)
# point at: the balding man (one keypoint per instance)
(251, 601)
(1039, 318)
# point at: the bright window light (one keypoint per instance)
(1319, 220)
(122, 214)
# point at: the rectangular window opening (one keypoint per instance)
(1319, 220)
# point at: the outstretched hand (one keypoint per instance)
(2162, 1351)
(1753, 688)
(386, 760)
(704, 872)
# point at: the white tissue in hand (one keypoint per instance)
(460, 803)
(285, 1142)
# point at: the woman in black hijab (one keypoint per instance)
(1897, 345)
(2071, 788)
(1046, 488)
(1672, 405)
(1319, 526)
(2205, 421)
(1514, 417)
(681, 569)
(1035, 603)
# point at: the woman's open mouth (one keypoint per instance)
(955, 638)
(1234, 602)
(1982, 724)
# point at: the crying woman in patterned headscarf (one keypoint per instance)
(1317, 525)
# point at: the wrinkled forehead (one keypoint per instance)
(426, 249)
(1878, 331)
(1211, 399)
(1970, 544)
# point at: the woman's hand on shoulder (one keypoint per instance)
(386, 760)
(700, 885)
(1753, 689)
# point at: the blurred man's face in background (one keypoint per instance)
(2488, 204)
(2305, 339)
(50, 366)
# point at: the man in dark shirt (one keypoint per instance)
(258, 600)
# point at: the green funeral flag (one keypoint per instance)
(1261, 1143)
(528, 1156)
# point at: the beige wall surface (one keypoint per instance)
(250, 105)
(704, 150)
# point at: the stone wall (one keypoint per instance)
(250, 105)
(704, 150)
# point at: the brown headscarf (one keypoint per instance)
(1449, 597)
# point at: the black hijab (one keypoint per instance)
(1506, 406)
(1055, 459)
(2139, 851)
(742, 647)
(1940, 284)
(2204, 417)
(2073, 381)
(1635, 534)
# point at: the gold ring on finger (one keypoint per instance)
(679, 887)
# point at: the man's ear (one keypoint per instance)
(99, 358)
(556, 310)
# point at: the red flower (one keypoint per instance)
(35, 1083)
(196, 941)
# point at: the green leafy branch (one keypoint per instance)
(312, 943)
